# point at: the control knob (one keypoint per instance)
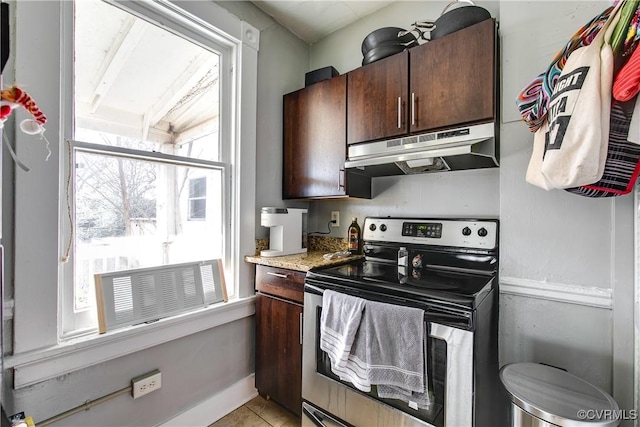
(466, 231)
(372, 227)
(383, 227)
(482, 232)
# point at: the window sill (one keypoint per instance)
(44, 364)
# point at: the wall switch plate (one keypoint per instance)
(145, 384)
(335, 216)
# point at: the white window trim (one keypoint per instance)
(200, 32)
(38, 352)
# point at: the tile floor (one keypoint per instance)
(259, 412)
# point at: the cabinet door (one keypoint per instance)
(453, 79)
(377, 99)
(314, 140)
(279, 351)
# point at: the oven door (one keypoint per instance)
(450, 374)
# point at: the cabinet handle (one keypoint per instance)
(413, 109)
(341, 174)
(399, 112)
(282, 276)
(301, 326)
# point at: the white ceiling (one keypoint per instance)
(311, 20)
(179, 103)
(139, 80)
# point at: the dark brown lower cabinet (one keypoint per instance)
(278, 344)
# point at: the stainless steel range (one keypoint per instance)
(451, 274)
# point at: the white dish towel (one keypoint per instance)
(339, 322)
(362, 339)
(415, 399)
(395, 346)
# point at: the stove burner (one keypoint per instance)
(425, 278)
(416, 275)
(455, 287)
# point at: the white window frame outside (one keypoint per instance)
(41, 215)
(191, 199)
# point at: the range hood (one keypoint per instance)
(470, 147)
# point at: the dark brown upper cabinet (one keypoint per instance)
(315, 146)
(376, 99)
(453, 79)
(447, 82)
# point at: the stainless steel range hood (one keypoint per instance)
(470, 147)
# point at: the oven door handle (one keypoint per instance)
(317, 417)
(313, 289)
(313, 418)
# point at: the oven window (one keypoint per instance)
(436, 365)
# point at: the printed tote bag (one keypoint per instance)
(577, 131)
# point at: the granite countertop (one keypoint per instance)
(300, 262)
(317, 247)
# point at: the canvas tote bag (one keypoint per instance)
(534, 171)
(533, 100)
(577, 131)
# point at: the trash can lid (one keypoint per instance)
(557, 396)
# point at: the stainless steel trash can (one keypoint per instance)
(544, 396)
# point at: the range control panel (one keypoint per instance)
(463, 233)
(422, 229)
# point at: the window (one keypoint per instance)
(148, 148)
(43, 291)
(197, 199)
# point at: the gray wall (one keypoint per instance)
(554, 238)
(283, 60)
(193, 369)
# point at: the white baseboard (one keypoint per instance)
(217, 406)
(592, 297)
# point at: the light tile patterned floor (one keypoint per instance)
(259, 412)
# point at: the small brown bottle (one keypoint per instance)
(354, 237)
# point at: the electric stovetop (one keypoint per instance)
(448, 261)
(456, 287)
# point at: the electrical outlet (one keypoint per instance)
(335, 216)
(145, 384)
